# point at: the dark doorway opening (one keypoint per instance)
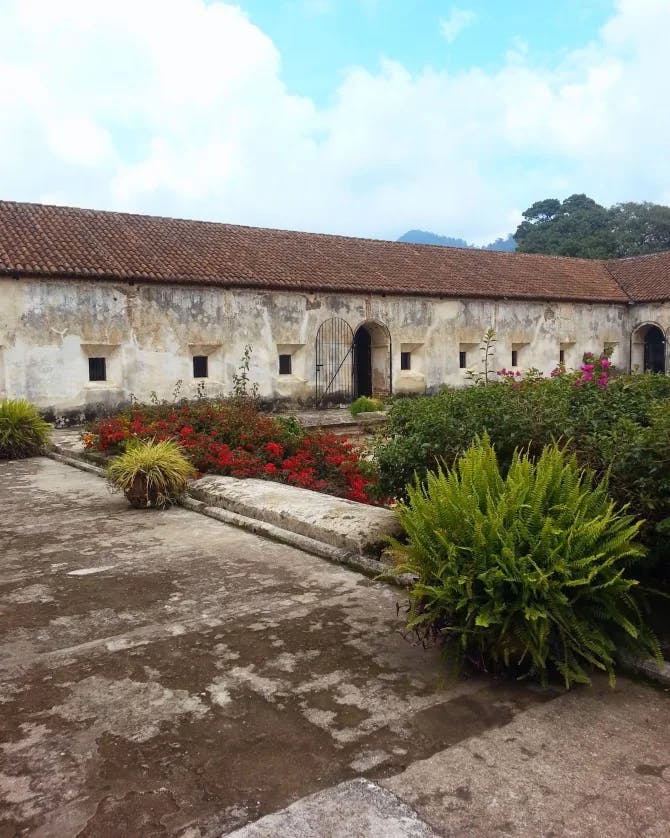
(363, 362)
(654, 350)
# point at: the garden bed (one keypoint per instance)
(232, 438)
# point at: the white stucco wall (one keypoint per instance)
(149, 334)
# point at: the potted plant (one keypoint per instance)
(23, 432)
(151, 474)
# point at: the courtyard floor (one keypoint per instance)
(163, 674)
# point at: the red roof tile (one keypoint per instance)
(51, 241)
(643, 278)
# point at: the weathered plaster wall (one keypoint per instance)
(149, 334)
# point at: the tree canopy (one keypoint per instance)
(578, 226)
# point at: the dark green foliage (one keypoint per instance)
(443, 426)
(579, 226)
(623, 428)
(640, 228)
(363, 404)
(527, 571)
(23, 433)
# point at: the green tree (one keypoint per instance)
(640, 228)
(578, 226)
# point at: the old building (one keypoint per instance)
(95, 306)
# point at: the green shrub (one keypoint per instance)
(431, 428)
(23, 433)
(526, 571)
(363, 404)
(638, 457)
(622, 429)
(151, 474)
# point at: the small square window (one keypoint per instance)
(284, 365)
(515, 358)
(462, 360)
(561, 356)
(405, 360)
(97, 369)
(200, 369)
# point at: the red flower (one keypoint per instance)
(274, 449)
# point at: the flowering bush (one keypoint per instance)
(597, 370)
(232, 438)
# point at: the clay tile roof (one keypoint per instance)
(50, 241)
(643, 278)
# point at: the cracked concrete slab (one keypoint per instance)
(371, 811)
(594, 762)
(205, 678)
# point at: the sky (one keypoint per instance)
(356, 117)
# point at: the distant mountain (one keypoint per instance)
(424, 237)
(508, 244)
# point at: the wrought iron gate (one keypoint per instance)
(334, 362)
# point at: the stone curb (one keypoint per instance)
(76, 462)
(362, 564)
(647, 667)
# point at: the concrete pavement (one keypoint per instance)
(165, 674)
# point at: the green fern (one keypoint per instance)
(528, 572)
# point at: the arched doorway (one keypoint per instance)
(372, 360)
(334, 352)
(363, 362)
(648, 349)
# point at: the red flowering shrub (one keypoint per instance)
(232, 438)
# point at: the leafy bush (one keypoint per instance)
(431, 428)
(231, 437)
(527, 571)
(363, 404)
(616, 427)
(151, 474)
(23, 433)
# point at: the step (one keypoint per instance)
(346, 524)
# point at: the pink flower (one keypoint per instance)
(588, 376)
(517, 373)
(588, 367)
(605, 362)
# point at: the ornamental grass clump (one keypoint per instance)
(23, 432)
(528, 572)
(151, 474)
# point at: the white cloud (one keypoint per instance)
(179, 108)
(458, 20)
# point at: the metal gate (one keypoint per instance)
(334, 362)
